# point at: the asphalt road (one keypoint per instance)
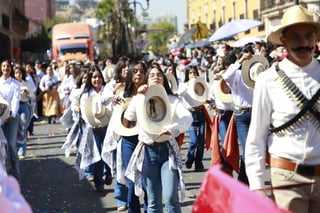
(50, 184)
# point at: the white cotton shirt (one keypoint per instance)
(182, 118)
(241, 93)
(10, 89)
(271, 105)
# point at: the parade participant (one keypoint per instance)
(221, 96)
(197, 128)
(51, 106)
(116, 85)
(68, 83)
(4, 114)
(34, 81)
(10, 89)
(96, 116)
(25, 111)
(157, 150)
(242, 99)
(135, 78)
(285, 127)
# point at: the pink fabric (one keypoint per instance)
(220, 193)
(11, 199)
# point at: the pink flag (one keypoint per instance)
(221, 193)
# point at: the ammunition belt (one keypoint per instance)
(308, 109)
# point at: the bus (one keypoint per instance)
(72, 41)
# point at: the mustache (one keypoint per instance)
(307, 48)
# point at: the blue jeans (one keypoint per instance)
(25, 118)
(196, 134)
(120, 193)
(243, 119)
(128, 146)
(120, 190)
(160, 178)
(100, 168)
(10, 130)
(224, 123)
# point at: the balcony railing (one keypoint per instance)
(269, 4)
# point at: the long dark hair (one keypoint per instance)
(84, 70)
(118, 69)
(91, 70)
(129, 85)
(165, 80)
(22, 70)
(188, 69)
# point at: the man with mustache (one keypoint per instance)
(285, 122)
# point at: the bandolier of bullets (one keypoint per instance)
(309, 108)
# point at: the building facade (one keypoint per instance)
(13, 28)
(215, 13)
(39, 10)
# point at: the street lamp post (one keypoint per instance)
(135, 9)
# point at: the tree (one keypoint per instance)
(159, 38)
(103, 9)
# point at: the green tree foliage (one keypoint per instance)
(103, 9)
(159, 40)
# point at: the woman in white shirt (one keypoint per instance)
(159, 153)
(24, 110)
(10, 89)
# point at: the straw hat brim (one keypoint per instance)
(220, 92)
(172, 82)
(154, 109)
(196, 84)
(88, 110)
(121, 127)
(245, 71)
(293, 16)
(274, 37)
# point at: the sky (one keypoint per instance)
(160, 7)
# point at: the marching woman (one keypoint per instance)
(197, 128)
(51, 106)
(25, 111)
(116, 85)
(135, 78)
(10, 89)
(94, 111)
(157, 156)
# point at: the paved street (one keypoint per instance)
(51, 185)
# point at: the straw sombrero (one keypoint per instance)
(154, 109)
(172, 82)
(198, 89)
(123, 127)
(97, 114)
(4, 113)
(221, 91)
(294, 15)
(252, 68)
